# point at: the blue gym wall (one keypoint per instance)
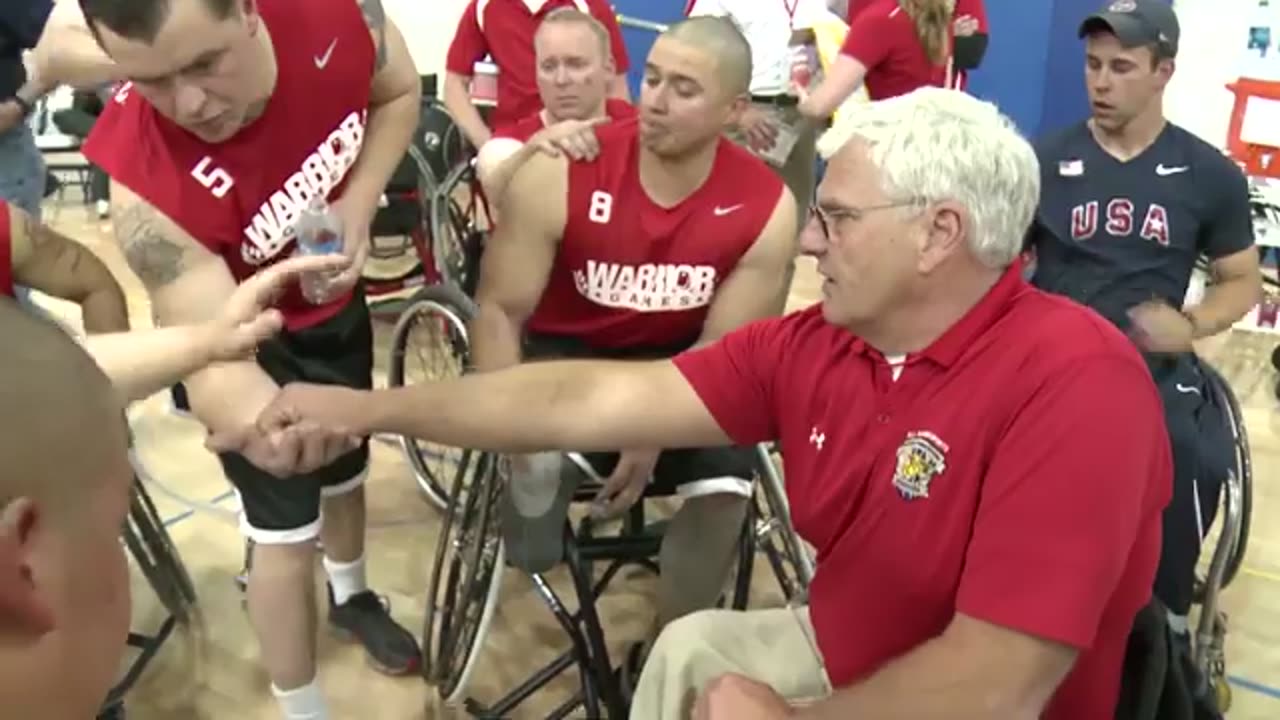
(1034, 67)
(639, 41)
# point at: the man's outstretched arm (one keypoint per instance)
(569, 405)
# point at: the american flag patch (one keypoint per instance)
(1071, 168)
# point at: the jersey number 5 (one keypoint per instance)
(601, 208)
(217, 180)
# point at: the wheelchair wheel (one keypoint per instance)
(158, 560)
(792, 562)
(465, 580)
(435, 321)
(1241, 474)
(457, 240)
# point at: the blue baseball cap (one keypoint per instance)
(1136, 23)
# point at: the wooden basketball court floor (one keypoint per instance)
(214, 674)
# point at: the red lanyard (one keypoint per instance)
(791, 11)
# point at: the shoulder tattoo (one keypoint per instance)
(154, 257)
(376, 18)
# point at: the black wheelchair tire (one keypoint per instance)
(458, 310)
(448, 220)
(447, 635)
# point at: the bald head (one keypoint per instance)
(721, 39)
(62, 427)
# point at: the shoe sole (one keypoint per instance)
(346, 635)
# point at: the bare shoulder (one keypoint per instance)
(157, 249)
(538, 189)
(375, 16)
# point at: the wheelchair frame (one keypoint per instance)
(153, 551)
(420, 209)
(470, 554)
(1208, 643)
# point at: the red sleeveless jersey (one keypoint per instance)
(241, 197)
(6, 251)
(614, 108)
(632, 274)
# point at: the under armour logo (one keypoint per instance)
(817, 438)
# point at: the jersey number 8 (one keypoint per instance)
(601, 208)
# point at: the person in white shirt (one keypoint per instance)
(780, 33)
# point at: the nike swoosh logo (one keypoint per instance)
(322, 60)
(722, 211)
(1162, 170)
(1186, 389)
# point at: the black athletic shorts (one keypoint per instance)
(1203, 454)
(338, 351)
(693, 471)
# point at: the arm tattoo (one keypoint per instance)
(154, 257)
(376, 18)
(38, 234)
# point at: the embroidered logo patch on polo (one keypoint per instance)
(921, 458)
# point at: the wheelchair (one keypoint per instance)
(403, 223)
(1233, 520)
(466, 575)
(158, 560)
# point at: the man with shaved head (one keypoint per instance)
(669, 238)
(64, 589)
(64, 493)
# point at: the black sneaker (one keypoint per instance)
(366, 618)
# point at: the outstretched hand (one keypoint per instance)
(575, 138)
(247, 318)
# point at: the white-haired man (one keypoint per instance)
(945, 428)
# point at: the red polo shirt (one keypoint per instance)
(506, 35)
(1015, 471)
(883, 38)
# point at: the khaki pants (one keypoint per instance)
(774, 646)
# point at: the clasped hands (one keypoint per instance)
(300, 430)
(304, 428)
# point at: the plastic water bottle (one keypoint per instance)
(803, 62)
(318, 232)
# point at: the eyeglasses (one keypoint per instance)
(827, 219)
